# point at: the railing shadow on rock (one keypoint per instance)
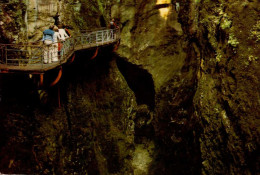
(30, 57)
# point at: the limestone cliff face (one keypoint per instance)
(203, 58)
(151, 38)
(94, 131)
(156, 36)
(227, 98)
(181, 96)
(24, 20)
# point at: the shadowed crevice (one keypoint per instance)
(140, 81)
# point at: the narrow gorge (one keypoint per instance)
(179, 96)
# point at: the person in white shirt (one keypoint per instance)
(48, 47)
(63, 34)
(56, 39)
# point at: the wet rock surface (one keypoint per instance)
(203, 58)
(92, 132)
(180, 97)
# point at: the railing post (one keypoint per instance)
(74, 42)
(30, 55)
(81, 39)
(42, 55)
(113, 35)
(2, 54)
(96, 37)
(102, 36)
(64, 49)
(1, 47)
(5, 55)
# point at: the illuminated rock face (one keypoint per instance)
(25, 21)
(31, 18)
(164, 11)
(203, 58)
(152, 39)
(40, 16)
(182, 96)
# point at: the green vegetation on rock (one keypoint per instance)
(232, 40)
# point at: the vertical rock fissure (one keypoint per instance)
(140, 81)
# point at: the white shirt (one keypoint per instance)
(63, 34)
(56, 37)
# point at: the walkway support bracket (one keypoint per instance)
(41, 80)
(116, 46)
(72, 59)
(57, 78)
(95, 54)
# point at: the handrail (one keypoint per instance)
(31, 55)
(93, 30)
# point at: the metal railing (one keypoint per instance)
(21, 55)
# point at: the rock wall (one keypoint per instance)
(25, 20)
(180, 97)
(157, 40)
(227, 98)
(203, 58)
(92, 133)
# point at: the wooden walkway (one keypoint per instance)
(29, 58)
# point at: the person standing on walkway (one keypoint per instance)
(63, 36)
(56, 39)
(114, 27)
(112, 24)
(48, 38)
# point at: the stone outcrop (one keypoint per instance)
(180, 97)
(203, 58)
(25, 20)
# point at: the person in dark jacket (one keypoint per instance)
(48, 39)
(112, 24)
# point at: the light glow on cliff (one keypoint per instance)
(164, 11)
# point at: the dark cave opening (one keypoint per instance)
(140, 81)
